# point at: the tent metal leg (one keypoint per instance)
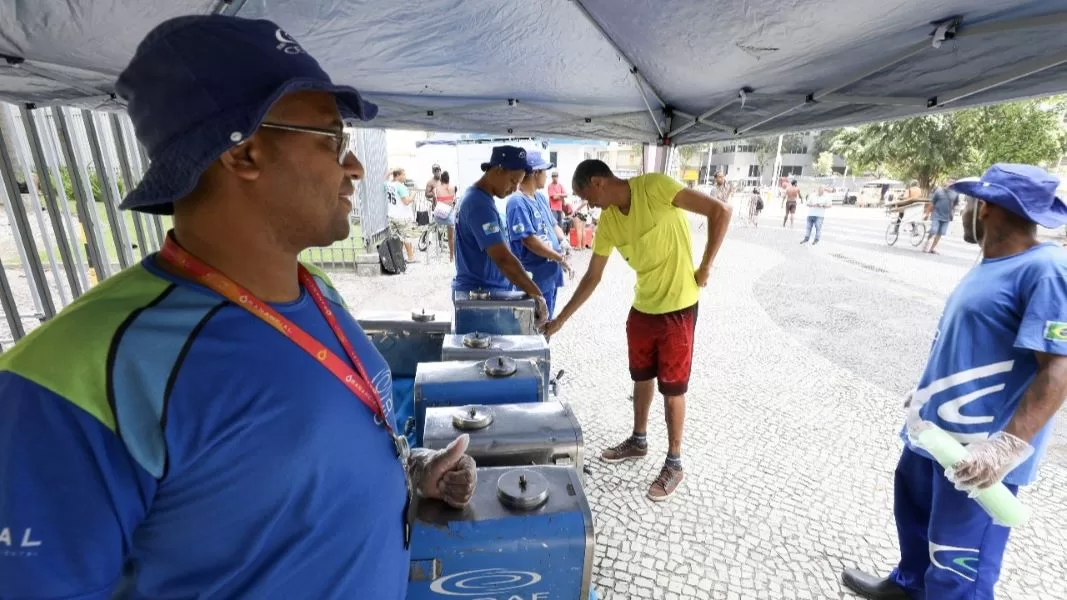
(47, 184)
(32, 264)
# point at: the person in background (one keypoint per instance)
(534, 233)
(444, 210)
(644, 219)
(755, 206)
(817, 206)
(579, 220)
(995, 378)
(483, 258)
(401, 212)
(940, 210)
(222, 427)
(792, 194)
(556, 196)
(912, 196)
(722, 190)
(431, 185)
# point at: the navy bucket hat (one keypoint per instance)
(198, 85)
(1025, 190)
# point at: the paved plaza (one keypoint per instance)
(803, 357)
(802, 360)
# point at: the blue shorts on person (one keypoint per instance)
(938, 227)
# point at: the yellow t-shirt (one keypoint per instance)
(654, 239)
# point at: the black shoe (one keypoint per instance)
(871, 588)
(815, 242)
(804, 241)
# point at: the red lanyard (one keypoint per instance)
(355, 379)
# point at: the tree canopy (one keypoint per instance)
(932, 147)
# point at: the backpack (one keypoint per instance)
(391, 256)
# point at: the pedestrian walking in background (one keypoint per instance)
(556, 197)
(817, 206)
(940, 210)
(792, 194)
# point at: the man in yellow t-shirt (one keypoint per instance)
(644, 219)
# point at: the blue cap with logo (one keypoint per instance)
(1025, 190)
(198, 85)
(537, 161)
(509, 158)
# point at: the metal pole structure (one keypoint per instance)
(707, 171)
(33, 265)
(44, 175)
(777, 164)
(25, 160)
(11, 310)
(157, 222)
(110, 191)
(50, 139)
(83, 196)
(22, 254)
(127, 176)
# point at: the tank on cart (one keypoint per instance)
(499, 380)
(533, 433)
(480, 346)
(405, 340)
(527, 533)
(494, 312)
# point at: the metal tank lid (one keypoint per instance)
(477, 340)
(522, 489)
(422, 316)
(472, 418)
(500, 366)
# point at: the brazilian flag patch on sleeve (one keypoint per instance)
(1056, 331)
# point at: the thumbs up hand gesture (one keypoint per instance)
(447, 474)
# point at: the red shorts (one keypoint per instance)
(661, 347)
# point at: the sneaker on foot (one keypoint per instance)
(665, 484)
(627, 450)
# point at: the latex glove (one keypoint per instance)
(448, 474)
(566, 264)
(988, 461)
(565, 246)
(541, 312)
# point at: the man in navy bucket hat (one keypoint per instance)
(222, 427)
(484, 260)
(996, 375)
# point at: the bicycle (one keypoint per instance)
(916, 230)
(434, 241)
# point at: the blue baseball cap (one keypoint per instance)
(537, 161)
(198, 85)
(1025, 190)
(510, 158)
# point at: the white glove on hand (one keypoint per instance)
(988, 462)
(541, 312)
(565, 245)
(448, 474)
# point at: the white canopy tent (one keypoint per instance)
(674, 71)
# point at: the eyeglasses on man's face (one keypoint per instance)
(341, 136)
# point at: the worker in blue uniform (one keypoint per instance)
(484, 260)
(996, 375)
(536, 237)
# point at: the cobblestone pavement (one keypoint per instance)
(801, 362)
(802, 357)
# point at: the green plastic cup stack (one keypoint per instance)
(997, 500)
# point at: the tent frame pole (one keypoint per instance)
(1018, 72)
